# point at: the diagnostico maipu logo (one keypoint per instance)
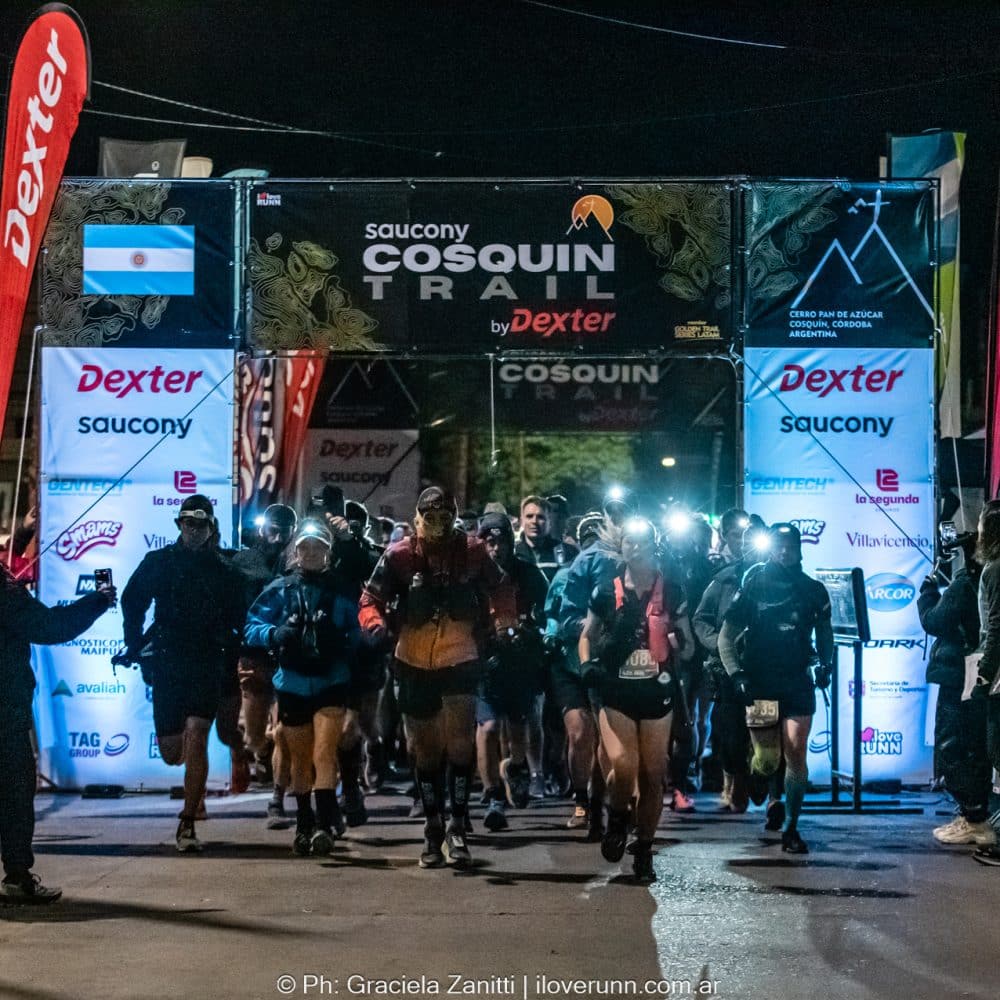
(592, 208)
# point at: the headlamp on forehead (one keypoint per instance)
(315, 530)
(678, 523)
(638, 529)
(759, 540)
(195, 516)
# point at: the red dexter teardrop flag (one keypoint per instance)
(49, 82)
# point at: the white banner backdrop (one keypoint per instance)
(840, 442)
(99, 407)
(380, 468)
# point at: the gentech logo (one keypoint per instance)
(889, 592)
(879, 743)
(73, 542)
(592, 206)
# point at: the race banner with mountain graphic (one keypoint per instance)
(840, 264)
(839, 428)
(474, 267)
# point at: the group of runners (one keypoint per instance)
(586, 657)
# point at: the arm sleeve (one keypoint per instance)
(265, 614)
(378, 593)
(706, 618)
(136, 599)
(45, 626)
(990, 628)
(727, 647)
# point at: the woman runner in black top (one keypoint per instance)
(632, 638)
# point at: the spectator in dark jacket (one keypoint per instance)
(23, 621)
(952, 617)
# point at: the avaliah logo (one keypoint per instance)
(61, 690)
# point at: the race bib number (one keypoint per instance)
(640, 666)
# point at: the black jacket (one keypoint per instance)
(199, 599)
(23, 621)
(952, 618)
(548, 555)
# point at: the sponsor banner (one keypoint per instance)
(941, 155)
(370, 394)
(136, 413)
(841, 445)
(127, 435)
(840, 264)
(380, 468)
(276, 401)
(167, 279)
(824, 414)
(468, 267)
(95, 727)
(49, 81)
(896, 704)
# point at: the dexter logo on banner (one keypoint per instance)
(138, 260)
(120, 381)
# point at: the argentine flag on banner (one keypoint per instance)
(138, 260)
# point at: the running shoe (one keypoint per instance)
(757, 788)
(416, 810)
(681, 803)
(27, 890)
(277, 818)
(376, 766)
(961, 831)
(642, 864)
(579, 819)
(339, 823)
(613, 842)
(792, 843)
(353, 804)
(433, 837)
(517, 782)
(321, 844)
(456, 850)
(302, 843)
(989, 856)
(495, 819)
(775, 815)
(536, 787)
(186, 839)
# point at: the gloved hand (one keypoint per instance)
(823, 675)
(126, 658)
(375, 637)
(591, 672)
(286, 637)
(741, 687)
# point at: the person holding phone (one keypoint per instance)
(952, 617)
(24, 621)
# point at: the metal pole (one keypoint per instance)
(858, 699)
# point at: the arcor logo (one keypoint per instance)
(889, 592)
(72, 543)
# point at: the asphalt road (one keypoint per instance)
(876, 910)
